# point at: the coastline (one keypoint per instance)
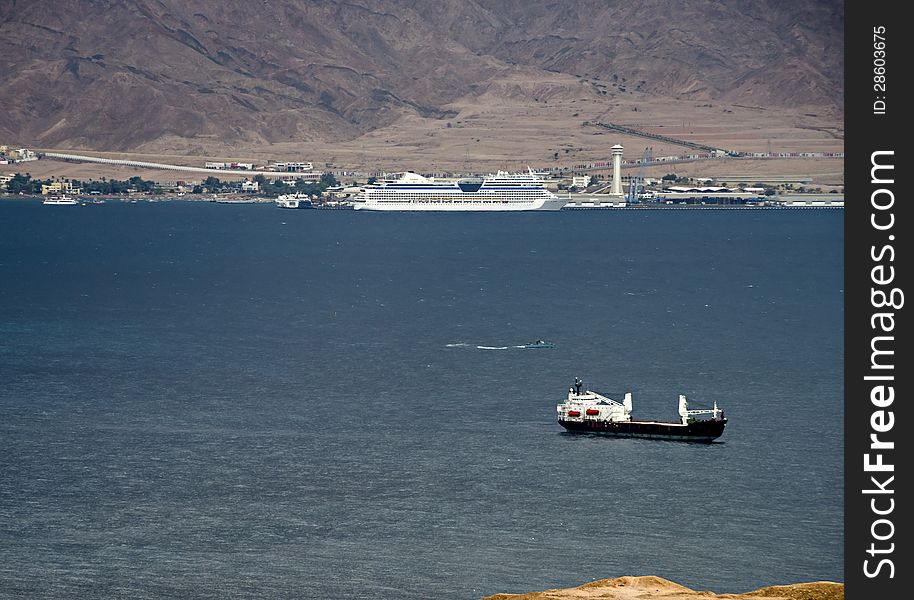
(818, 204)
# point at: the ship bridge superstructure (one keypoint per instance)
(588, 405)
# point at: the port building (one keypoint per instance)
(59, 187)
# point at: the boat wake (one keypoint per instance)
(537, 344)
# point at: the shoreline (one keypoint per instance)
(815, 202)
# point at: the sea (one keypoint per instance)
(200, 400)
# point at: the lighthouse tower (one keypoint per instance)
(616, 189)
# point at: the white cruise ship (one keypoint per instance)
(502, 191)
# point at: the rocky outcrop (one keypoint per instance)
(657, 588)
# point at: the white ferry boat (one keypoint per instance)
(294, 201)
(502, 191)
(60, 200)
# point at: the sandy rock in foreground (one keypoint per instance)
(657, 588)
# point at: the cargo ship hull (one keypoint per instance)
(696, 431)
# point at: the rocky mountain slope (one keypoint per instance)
(121, 74)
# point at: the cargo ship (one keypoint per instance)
(586, 411)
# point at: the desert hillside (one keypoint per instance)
(166, 76)
(657, 588)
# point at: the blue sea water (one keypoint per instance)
(236, 401)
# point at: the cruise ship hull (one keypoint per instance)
(462, 206)
(696, 431)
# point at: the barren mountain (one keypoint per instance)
(133, 74)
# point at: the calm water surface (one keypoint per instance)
(212, 401)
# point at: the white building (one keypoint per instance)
(293, 167)
(250, 186)
(580, 181)
(697, 190)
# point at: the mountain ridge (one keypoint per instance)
(118, 75)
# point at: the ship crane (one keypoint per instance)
(636, 183)
(686, 414)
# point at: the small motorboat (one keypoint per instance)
(539, 344)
